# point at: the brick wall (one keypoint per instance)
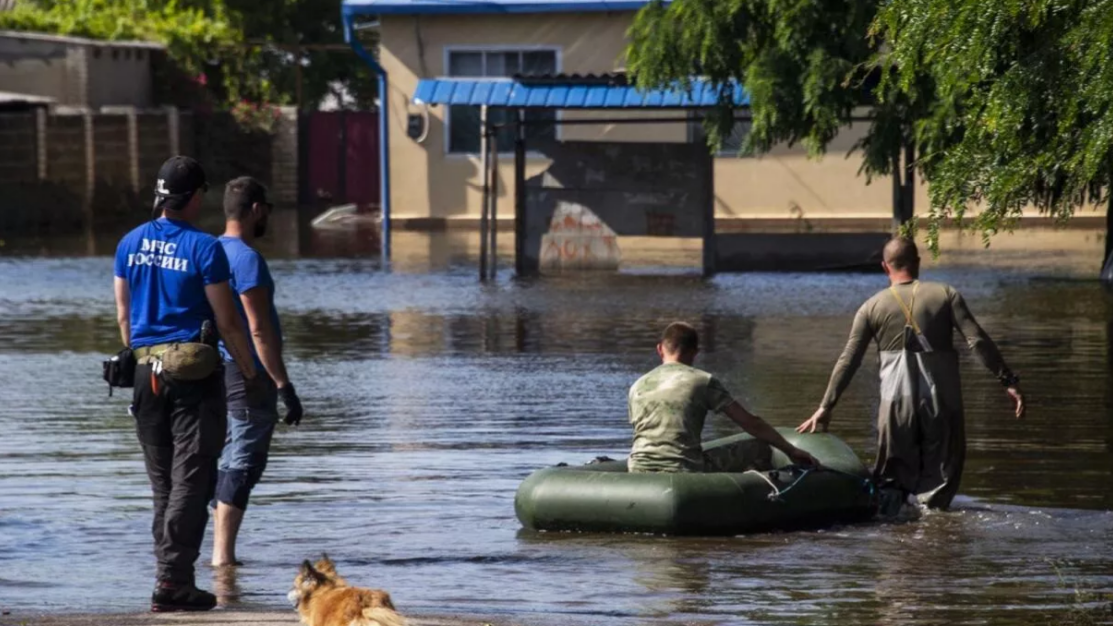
(114, 197)
(18, 145)
(66, 153)
(154, 138)
(226, 151)
(29, 202)
(101, 168)
(284, 159)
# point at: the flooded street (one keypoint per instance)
(429, 397)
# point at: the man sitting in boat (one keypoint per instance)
(668, 407)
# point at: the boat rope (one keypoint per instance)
(777, 493)
(867, 483)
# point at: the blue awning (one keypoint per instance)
(460, 7)
(514, 94)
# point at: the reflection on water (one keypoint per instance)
(430, 397)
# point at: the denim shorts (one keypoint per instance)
(245, 454)
(249, 439)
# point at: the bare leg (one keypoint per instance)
(226, 526)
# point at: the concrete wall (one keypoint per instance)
(43, 68)
(18, 147)
(77, 72)
(119, 76)
(428, 183)
(625, 189)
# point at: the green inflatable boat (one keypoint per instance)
(604, 497)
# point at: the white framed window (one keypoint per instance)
(463, 136)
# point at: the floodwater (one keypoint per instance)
(429, 397)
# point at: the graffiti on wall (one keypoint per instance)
(578, 239)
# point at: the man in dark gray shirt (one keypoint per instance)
(921, 426)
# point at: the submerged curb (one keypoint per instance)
(212, 618)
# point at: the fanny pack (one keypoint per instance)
(119, 371)
(187, 361)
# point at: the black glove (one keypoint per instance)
(292, 403)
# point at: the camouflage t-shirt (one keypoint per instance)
(667, 409)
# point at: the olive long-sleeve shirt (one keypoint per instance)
(938, 310)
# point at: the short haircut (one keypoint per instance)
(901, 254)
(239, 194)
(680, 338)
(173, 203)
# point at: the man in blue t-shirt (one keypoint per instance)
(251, 422)
(170, 279)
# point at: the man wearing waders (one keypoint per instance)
(921, 430)
(171, 285)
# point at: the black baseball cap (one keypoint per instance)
(180, 177)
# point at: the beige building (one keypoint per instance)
(437, 181)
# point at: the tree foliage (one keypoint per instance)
(232, 51)
(1028, 88)
(998, 105)
(281, 24)
(807, 66)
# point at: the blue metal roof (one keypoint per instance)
(514, 94)
(450, 7)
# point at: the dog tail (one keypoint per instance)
(382, 616)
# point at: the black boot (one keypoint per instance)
(896, 505)
(169, 596)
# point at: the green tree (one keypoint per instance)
(810, 68)
(1029, 88)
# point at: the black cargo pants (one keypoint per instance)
(181, 429)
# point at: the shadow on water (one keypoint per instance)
(430, 397)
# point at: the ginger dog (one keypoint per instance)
(323, 598)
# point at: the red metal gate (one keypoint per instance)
(341, 154)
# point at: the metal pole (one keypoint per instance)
(519, 195)
(710, 250)
(384, 166)
(909, 180)
(898, 196)
(484, 139)
(494, 144)
(384, 130)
